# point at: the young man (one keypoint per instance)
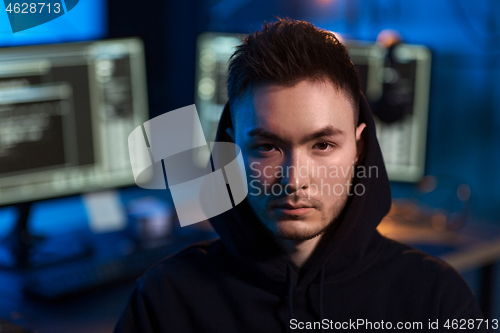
(301, 252)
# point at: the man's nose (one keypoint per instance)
(295, 172)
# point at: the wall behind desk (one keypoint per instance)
(464, 37)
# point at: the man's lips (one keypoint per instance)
(293, 206)
(294, 209)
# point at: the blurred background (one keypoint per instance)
(75, 232)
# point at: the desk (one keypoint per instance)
(94, 312)
(475, 246)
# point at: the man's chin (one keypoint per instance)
(295, 230)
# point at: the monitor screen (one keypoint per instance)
(402, 83)
(403, 141)
(66, 111)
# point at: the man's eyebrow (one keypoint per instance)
(326, 131)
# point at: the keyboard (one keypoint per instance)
(69, 279)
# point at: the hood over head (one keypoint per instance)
(344, 249)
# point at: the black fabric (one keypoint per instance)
(243, 282)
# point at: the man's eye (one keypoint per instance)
(323, 146)
(266, 147)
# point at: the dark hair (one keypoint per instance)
(289, 51)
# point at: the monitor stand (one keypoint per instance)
(16, 246)
(22, 250)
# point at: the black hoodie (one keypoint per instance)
(355, 279)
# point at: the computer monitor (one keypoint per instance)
(66, 111)
(403, 79)
(403, 141)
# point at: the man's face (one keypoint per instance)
(299, 145)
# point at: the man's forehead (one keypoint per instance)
(269, 105)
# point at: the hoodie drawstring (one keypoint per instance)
(321, 287)
(290, 294)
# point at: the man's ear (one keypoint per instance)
(360, 142)
(230, 134)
